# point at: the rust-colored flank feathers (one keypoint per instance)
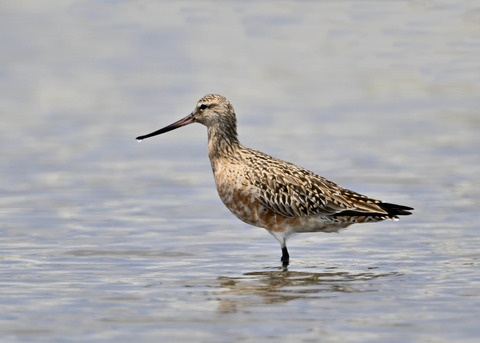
(278, 196)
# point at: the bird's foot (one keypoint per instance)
(285, 257)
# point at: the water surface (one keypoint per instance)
(104, 239)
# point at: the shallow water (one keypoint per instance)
(105, 239)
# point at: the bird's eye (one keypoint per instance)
(203, 106)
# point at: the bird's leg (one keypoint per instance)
(285, 256)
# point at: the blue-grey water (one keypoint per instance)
(103, 239)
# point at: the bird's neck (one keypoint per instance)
(222, 141)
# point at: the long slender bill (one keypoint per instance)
(182, 122)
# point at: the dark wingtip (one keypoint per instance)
(395, 210)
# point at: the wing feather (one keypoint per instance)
(292, 191)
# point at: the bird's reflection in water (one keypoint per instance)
(275, 286)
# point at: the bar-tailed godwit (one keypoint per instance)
(267, 192)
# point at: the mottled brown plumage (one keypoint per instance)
(267, 192)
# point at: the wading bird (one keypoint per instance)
(267, 192)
